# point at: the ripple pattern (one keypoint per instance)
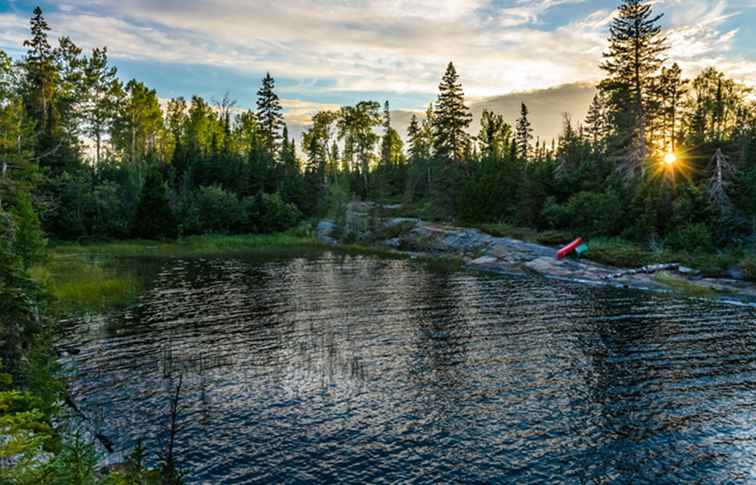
(353, 369)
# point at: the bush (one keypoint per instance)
(269, 213)
(621, 253)
(154, 218)
(596, 214)
(219, 211)
(30, 243)
(555, 215)
(551, 238)
(692, 238)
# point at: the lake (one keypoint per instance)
(358, 369)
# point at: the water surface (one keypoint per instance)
(357, 369)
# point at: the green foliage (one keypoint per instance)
(154, 217)
(219, 211)
(451, 118)
(30, 244)
(595, 214)
(76, 463)
(692, 237)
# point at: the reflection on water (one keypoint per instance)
(359, 369)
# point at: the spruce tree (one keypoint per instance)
(41, 78)
(269, 115)
(99, 104)
(414, 135)
(636, 46)
(386, 140)
(672, 88)
(451, 118)
(596, 125)
(523, 134)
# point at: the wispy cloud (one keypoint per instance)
(395, 46)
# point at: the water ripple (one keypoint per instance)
(353, 369)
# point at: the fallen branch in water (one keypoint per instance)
(650, 269)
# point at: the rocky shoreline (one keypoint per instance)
(499, 254)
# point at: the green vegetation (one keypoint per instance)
(687, 287)
(84, 284)
(662, 169)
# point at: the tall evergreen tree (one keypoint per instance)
(99, 106)
(269, 115)
(596, 123)
(417, 147)
(636, 46)
(451, 118)
(41, 79)
(523, 134)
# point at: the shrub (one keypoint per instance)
(269, 213)
(219, 211)
(555, 215)
(692, 238)
(597, 214)
(555, 237)
(30, 243)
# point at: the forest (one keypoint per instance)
(660, 160)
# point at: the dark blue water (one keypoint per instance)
(357, 370)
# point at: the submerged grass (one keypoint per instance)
(687, 287)
(95, 276)
(84, 284)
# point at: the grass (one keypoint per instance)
(622, 253)
(80, 284)
(94, 276)
(687, 287)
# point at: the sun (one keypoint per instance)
(670, 159)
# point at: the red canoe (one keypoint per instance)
(565, 251)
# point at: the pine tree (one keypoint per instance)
(386, 140)
(494, 137)
(39, 88)
(416, 142)
(269, 115)
(99, 106)
(634, 57)
(596, 124)
(672, 89)
(451, 118)
(523, 134)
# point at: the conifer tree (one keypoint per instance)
(523, 134)
(41, 78)
(99, 104)
(494, 137)
(672, 88)
(386, 140)
(451, 118)
(415, 137)
(636, 46)
(269, 115)
(596, 123)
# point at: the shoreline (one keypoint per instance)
(481, 251)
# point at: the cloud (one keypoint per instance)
(392, 46)
(299, 112)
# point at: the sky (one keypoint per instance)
(326, 53)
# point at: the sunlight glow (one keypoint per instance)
(670, 159)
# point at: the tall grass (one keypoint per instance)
(96, 276)
(84, 284)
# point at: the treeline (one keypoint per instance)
(192, 167)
